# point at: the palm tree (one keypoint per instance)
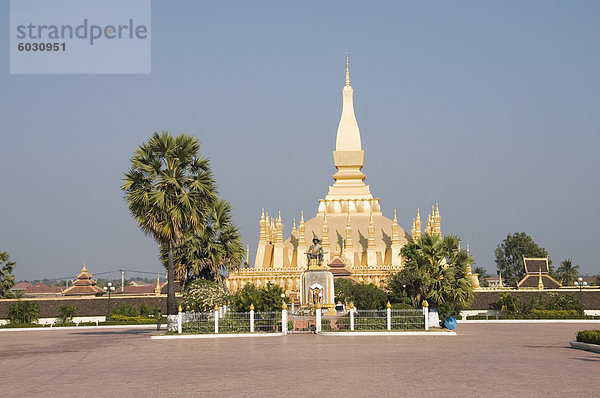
(482, 275)
(7, 280)
(567, 272)
(170, 190)
(437, 270)
(214, 251)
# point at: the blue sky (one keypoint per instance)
(489, 108)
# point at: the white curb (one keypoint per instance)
(150, 326)
(585, 346)
(214, 336)
(388, 333)
(530, 321)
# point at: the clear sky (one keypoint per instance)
(491, 109)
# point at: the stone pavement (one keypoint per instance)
(486, 360)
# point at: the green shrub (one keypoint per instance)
(402, 306)
(22, 325)
(202, 295)
(589, 336)
(553, 314)
(563, 302)
(129, 320)
(66, 312)
(23, 311)
(449, 308)
(125, 309)
(145, 309)
(265, 299)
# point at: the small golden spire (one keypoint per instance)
(388, 305)
(347, 71)
(284, 306)
(179, 308)
(84, 269)
(395, 218)
(251, 307)
(301, 217)
(216, 307)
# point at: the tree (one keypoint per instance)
(510, 253)
(482, 275)
(567, 272)
(214, 251)
(396, 290)
(170, 191)
(368, 297)
(203, 295)
(437, 270)
(342, 288)
(265, 299)
(7, 280)
(23, 311)
(66, 312)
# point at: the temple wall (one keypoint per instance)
(483, 299)
(86, 306)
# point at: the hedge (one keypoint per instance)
(589, 336)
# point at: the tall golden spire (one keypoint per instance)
(418, 226)
(437, 221)
(396, 230)
(348, 246)
(371, 234)
(157, 287)
(263, 227)
(278, 229)
(347, 71)
(301, 232)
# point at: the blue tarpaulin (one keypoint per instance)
(450, 323)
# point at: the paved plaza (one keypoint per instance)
(498, 360)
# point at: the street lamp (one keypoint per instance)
(580, 283)
(109, 289)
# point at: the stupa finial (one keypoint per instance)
(347, 71)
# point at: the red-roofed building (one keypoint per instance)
(42, 290)
(20, 286)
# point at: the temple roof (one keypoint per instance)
(535, 265)
(84, 285)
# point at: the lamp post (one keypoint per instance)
(580, 283)
(109, 289)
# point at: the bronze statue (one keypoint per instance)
(315, 251)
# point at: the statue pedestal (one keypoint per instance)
(316, 286)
